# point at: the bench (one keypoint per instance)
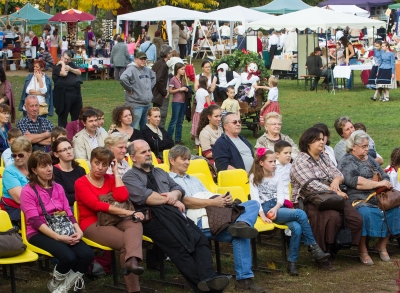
(308, 77)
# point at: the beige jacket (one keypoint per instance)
(82, 146)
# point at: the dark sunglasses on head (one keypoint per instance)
(18, 155)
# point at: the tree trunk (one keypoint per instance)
(6, 7)
(47, 7)
(109, 15)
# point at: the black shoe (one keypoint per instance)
(217, 282)
(248, 285)
(292, 269)
(317, 253)
(373, 99)
(242, 230)
(312, 88)
(131, 265)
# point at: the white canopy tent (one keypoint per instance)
(167, 13)
(315, 18)
(348, 9)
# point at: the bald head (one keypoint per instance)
(140, 153)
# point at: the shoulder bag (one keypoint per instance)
(106, 219)
(11, 243)
(92, 44)
(343, 238)
(59, 222)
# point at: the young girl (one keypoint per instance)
(385, 77)
(202, 97)
(268, 190)
(64, 45)
(272, 103)
(177, 87)
(391, 170)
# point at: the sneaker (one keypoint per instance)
(248, 285)
(385, 100)
(242, 230)
(373, 99)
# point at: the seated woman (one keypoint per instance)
(157, 137)
(117, 143)
(5, 126)
(209, 130)
(14, 178)
(74, 256)
(327, 148)
(312, 162)
(39, 85)
(126, 236)
(66, 170)
(273, 125)
(360, 172)
(122, 118)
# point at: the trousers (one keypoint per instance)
(72, 106)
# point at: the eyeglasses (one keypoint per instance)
(364, 147)
(18, 155)
(64, 150)
(235, 122)
(275, 124)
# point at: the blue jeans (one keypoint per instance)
(349, 81)
(297, 222)
(178, 114)
(140, 113)
(241, 246)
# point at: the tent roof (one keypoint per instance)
(282, 6)
(362, 3)
(32, 15)
(237, 13)
(315, 18)
(163, 13)
(348, 9)
(394, 6)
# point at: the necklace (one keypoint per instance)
(95, 183)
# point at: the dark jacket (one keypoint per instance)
(314, 63)
(225, 153)
(49, 94)
(158, 42)
(156, 144)
(160, 89)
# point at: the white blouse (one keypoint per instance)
(34, 85)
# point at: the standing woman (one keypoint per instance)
(54, 44)
(212, 79)
(122, 117)
(18, 40)
(182, 43)
(6, 93)
(350, 58)
(5, 126)
(74, 256)
(90, 37)
(131, 48)
(385, 78)
(374, 69)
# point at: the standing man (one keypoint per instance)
(231, 150)
(241, 38)
(67, 89)
(150, 50)
(120, 58)
(175, 36)
(138, 81)
(225, 31)
(37, 129)
(160, 91)
(9, 36)
(273, 43)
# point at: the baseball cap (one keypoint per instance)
(141, 55)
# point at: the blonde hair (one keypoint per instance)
(21, 143)
(151, 110)
(272, 115)
(114, 138)
(273, 80)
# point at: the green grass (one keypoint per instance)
(300, 109)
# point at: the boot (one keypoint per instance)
(72, 279)
(132, 266)
(292, 269)
(249, 286)
(55, 282)
(317, 253)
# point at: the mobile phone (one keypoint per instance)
(227, 194)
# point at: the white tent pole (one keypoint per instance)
(193, 38)
(117, 28)
(169, 32)
(232, 24)
(218, 32)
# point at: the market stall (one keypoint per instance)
(282, 6)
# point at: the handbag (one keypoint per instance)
(221, 218)
(59, 221)
(343, 238)
(43, 109)
(106, 219)
(11, 243)
(92, 44)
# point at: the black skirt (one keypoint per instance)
(372, 75)
(384, 79)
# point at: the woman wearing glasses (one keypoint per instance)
(273, 125)
(66, 170)
(15, 177)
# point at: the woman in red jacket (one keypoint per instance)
(126, 236)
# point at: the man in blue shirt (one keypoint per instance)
(150, 50)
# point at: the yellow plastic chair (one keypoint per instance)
(26, 256)
(154, 159)
(201, 166)
(200, 151)
(203, 179)
(2, 171)
(130, 161)
(2, 163)
(165, 167)
(236, 177)
(26, 242)
(165, 157)
(1, 187)
(84, 164)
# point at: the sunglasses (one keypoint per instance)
(236, 122)
(18, 155)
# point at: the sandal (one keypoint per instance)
(383, 254)
(366, 259)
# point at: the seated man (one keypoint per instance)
(89, 137)
(197, 198)
(175, 234)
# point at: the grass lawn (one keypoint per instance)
(300, 109)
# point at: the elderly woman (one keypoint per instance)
(74, 256)
(40, 85)
(182, 43)
(122, 117)
(117, 143)
(15, 178)
(273, 125)
(361, 174)
(312, 162)
(126, 236)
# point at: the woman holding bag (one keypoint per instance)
(43, 196)
(126, 236)
(361, 176)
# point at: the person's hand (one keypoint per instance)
(392, 76)
(185, 89)
(180, 206)
(265, 219)
(114, 167)
(341, 193)
(255, 86)
(219, 201)
(273, 213)
(37, 74)
(66, 239)
(67, 68)
(169, 198)
(27, 132)
(76, 237)
(334, 186)
(385, 183)
(228, 199)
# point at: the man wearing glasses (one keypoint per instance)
(231, 150)
(138, 80)
(67, 89)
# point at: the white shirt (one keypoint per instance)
(273, 94)
(339, 34)
(270, 188)
(201, 95)
(331, 154)
(240, 30)
(283, 174)
(34, 85)
(225, 31)
(394, 177)
(282, 39)
(64, 45)
(273, 40)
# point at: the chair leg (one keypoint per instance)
(4, 267)
(161, 256)
(254, 251)
(283, 240)
(12, 279)
(114, 268)
(218, 257)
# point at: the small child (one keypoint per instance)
(64, 45)
(391, 170)
(202, 97)
(57, 132)
(283, 153)
(267, 188)
(272, 103)
(41, 43)
(230, 104)
(12, 134)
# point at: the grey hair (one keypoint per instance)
(30, 33)
(179, 151)
(147, 38)
(68, 53)
(165, 50)
(131, 149)
(224, 119)
(356, 138)
(31, 97)
(115, 138)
